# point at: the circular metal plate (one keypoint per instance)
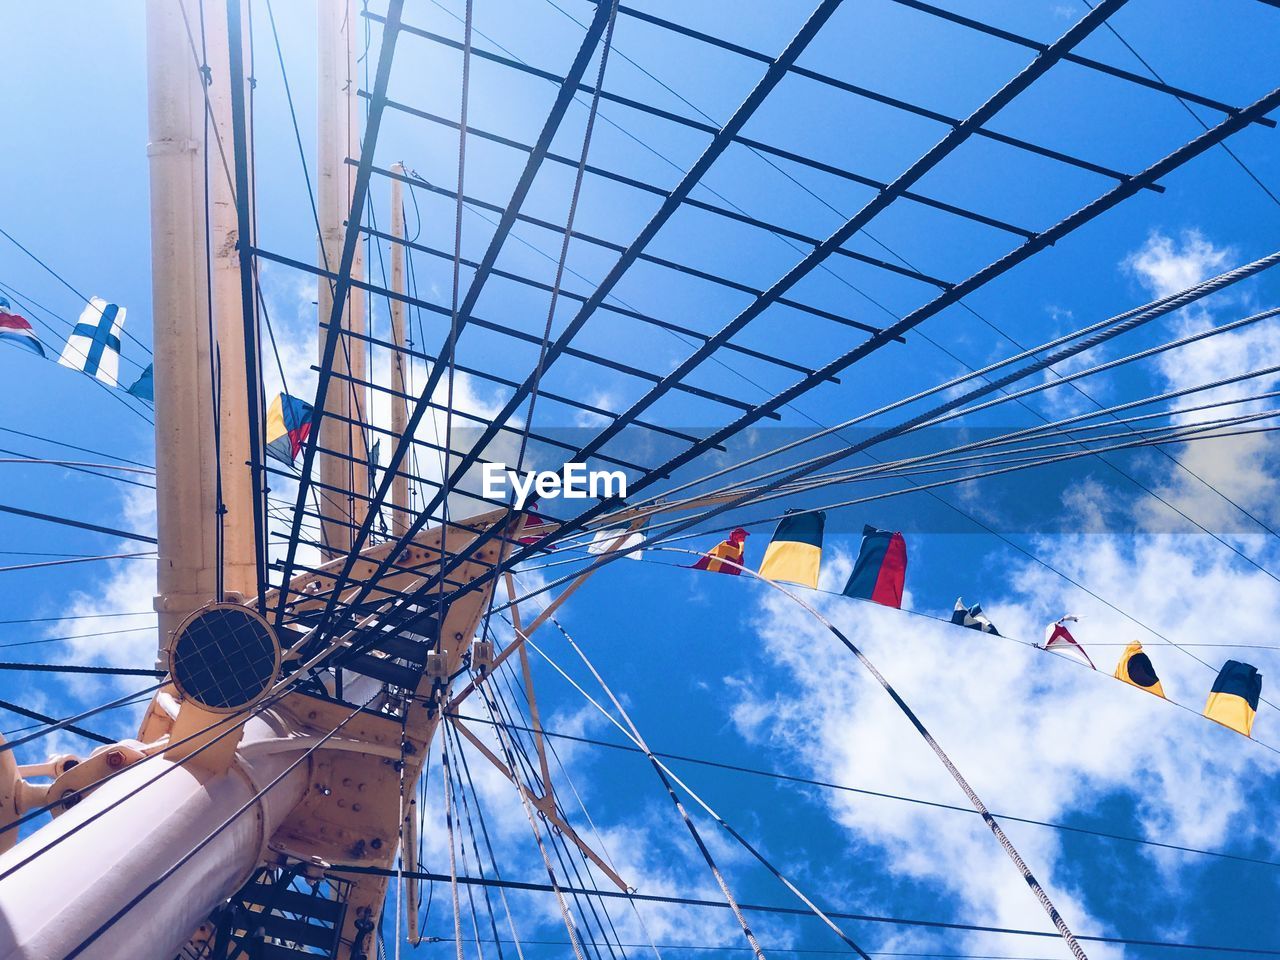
(224, 657)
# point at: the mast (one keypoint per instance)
(343, 459)
(171, 827)
(156, 823)
(239, 570)
(399, 360)
(188, 465)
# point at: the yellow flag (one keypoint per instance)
(795, 552)
(1135, 668)
(1233, 701)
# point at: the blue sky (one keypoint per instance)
(721, 668)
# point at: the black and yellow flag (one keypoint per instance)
(1233, 702)
(795, 552)
(1135, 668)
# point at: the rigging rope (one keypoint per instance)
(471, 830)
(870, 918)
(606, 45)
(1186, 106)
(663, 771)
(447, 784)
(493, 860)
(1190, 433)
(81, 792)
(565, 854)
(568, 856)
(600, 841)
(62, 280)
(67, 723)
(1100, 333)
(526, 805)
(138, 407)
(451, 346)
(828, 785)
(148, 555)
(664, 545)
(1087, 338)
(1054, 916)
(45, 718)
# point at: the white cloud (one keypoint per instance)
(1038, 735)
(1164, 265)
(129, 588)
(1240, 467)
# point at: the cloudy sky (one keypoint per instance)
(1177, 551)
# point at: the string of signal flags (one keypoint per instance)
(794, 555)
(93, 347)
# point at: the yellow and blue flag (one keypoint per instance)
(795, 552)
(1135, 668)
(1233, 701)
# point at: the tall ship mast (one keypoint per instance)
(352, 580)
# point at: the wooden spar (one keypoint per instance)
(337, 137)
(399, 389)
(526, 673)
(545, 804)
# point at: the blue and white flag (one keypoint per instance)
(144, 388)
(972, 617)
(94, 344)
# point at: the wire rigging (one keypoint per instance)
(663, 773)
(347, 604)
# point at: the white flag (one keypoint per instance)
(604, 542)
(94, 344)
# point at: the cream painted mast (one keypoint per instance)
(187, 464)
(153, 835)
(337, 138)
